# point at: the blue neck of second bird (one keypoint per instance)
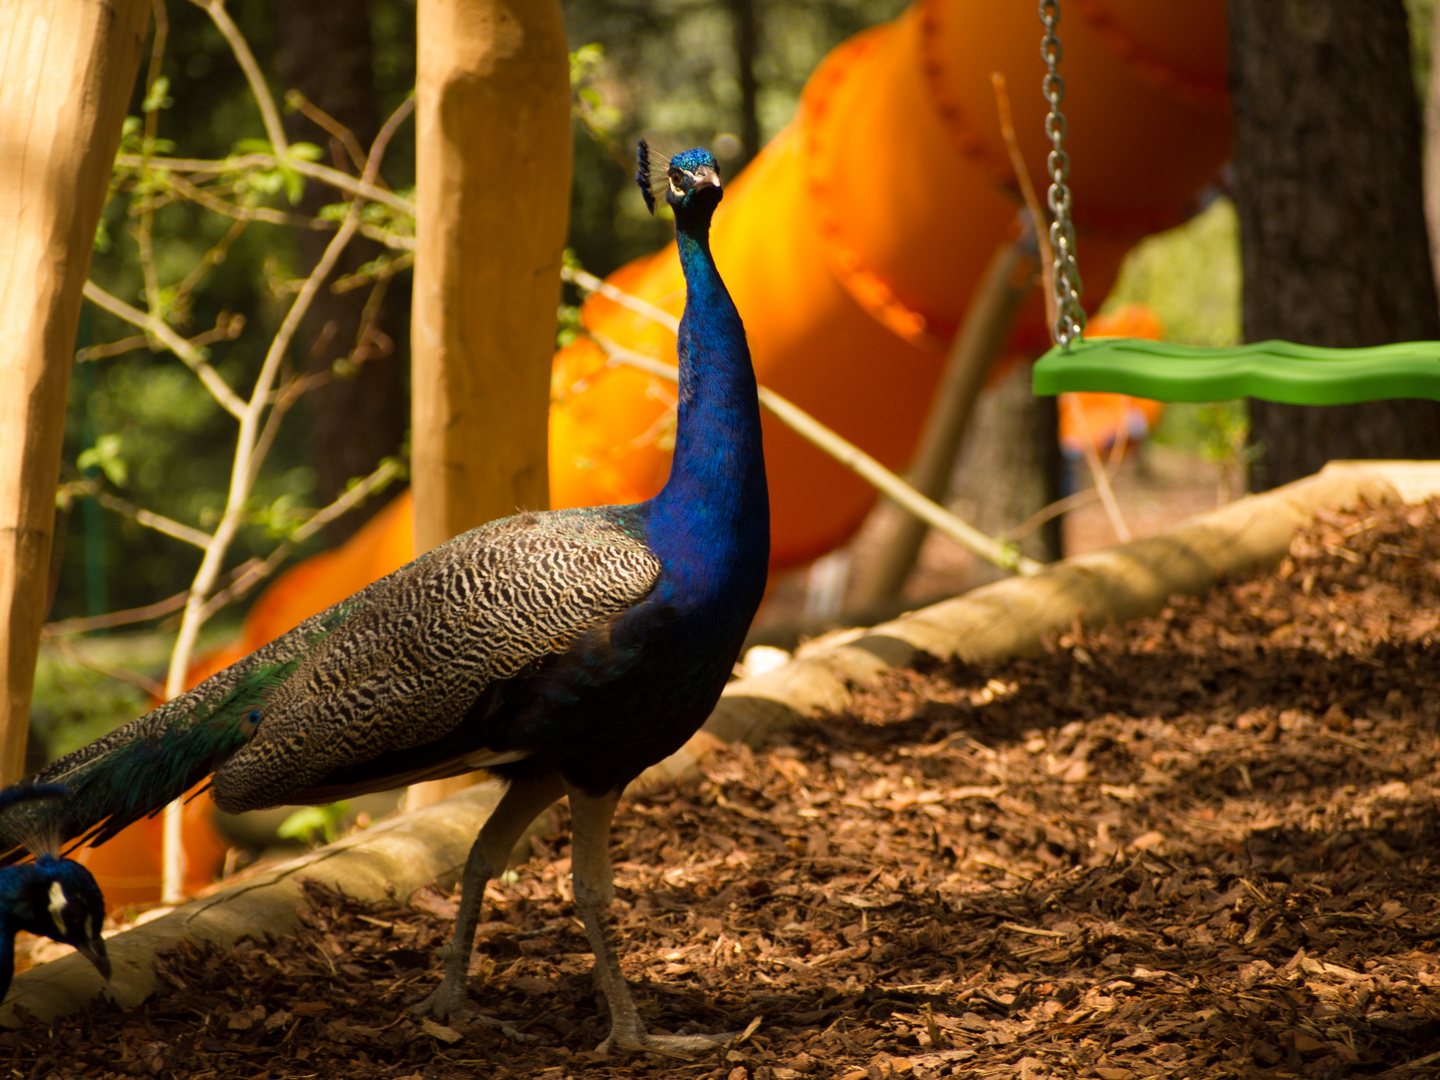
(711, 522)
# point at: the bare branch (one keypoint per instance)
(69, 649)
(256, 570)
(1027, 193)
(361, 278)
(390, 239)
(112, 348)
(382, 140)
(212, 258)
(247, 440)
(149, 519)
(189, 355)
(591, 283)
(342, 181)
(115, 618)
(199, 195)
(852, 457)
(1097, 468)
(264, 100)
(318, 116)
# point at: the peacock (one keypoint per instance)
(52, 897)
(562, 651)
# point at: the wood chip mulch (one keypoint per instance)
(1199, 845)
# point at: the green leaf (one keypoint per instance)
(158, 97)
(254, 146)
(306, 151)
(294, 183)
(306, 822)
(105, 455)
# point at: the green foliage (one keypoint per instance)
(105, 455)
(1421, 15)
(310, 822)
(72, 705)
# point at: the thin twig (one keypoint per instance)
(159, 522)
(188, 353)
(320, 118)
(255, 571)
(852, 457)
(144, 230)
(68, 648)
(334, 177)
(111, 348)
(1097, 468)
(1027, 193)
(359, 279)
(843, 451)
(1045, 513)
(112, 619)
(591, 283)
(197, 194)
(264, 100)
(246, 461)
(210, 260)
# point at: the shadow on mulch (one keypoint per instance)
(1199, 845)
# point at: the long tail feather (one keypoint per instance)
(134, 771)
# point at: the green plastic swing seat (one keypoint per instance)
(1271, 370)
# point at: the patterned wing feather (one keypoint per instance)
(405, 671)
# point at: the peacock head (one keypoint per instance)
(689, 179)
(71, 909)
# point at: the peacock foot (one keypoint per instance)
(449, 1005)
(676, 1046)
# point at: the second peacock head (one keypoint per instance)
(686, 178)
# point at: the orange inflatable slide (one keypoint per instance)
(851, 245)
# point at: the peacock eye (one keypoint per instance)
(254, 717)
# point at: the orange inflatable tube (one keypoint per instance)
(852, 243)
(851, 246)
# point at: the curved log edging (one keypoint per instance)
(1008, 618)
(403, 853)
(1012, 617)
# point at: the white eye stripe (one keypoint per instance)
(57, 905)
(676, 190)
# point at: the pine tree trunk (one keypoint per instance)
(1332, 226)
(358, 417)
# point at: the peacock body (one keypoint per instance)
(565, 651)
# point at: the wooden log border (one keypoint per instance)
(1008, 618)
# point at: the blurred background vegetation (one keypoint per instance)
(721, 73)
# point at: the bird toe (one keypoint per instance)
(684, 1047)
(447, 1004)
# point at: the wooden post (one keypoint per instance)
(67, 69)
(493, 176)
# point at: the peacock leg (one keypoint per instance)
(590, 818)
(523, 801)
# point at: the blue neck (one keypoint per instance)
(711, 521)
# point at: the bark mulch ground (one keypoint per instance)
(1200, 845)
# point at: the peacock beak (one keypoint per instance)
(705, 176)
(94, 951)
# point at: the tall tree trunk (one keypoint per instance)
(67, 70)
(747, 47)
(357, 417)
(1332, 226)
(493, 167)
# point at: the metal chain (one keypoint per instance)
(1069, 325)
